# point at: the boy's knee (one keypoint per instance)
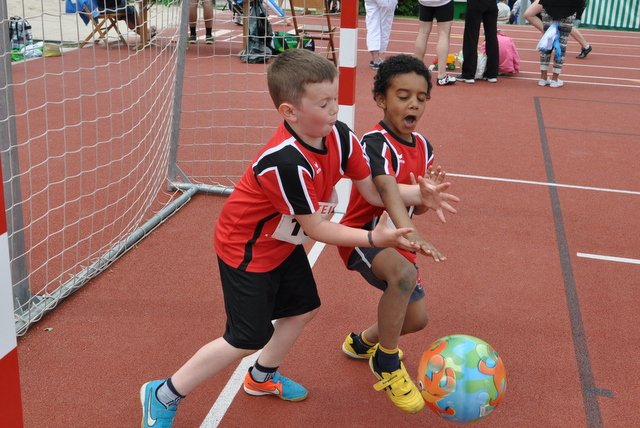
(404, 278)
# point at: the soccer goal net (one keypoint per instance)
(110, 120)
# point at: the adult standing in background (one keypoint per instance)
(485, 12)
(379, 20)
(207, 12)
(564, 12)
(442, 11)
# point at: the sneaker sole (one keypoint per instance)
(256, 393)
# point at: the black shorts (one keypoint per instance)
(442, 13)
(361, 260)
(252, 300)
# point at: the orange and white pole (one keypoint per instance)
(10, 399)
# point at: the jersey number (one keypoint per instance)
(289, 230)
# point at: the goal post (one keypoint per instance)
(101, 144)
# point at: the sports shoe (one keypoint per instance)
(556, 83)
(543, 82)
(446, 80)
(465, 80)
(375, 65)
(237, 19)
(193, 38)
(209, 40)
(399, 388)
(584, 52)
(349, 349)
(491, 79)
(278, 385)
(154, 413)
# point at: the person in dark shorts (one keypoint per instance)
(285, 197)
(397, 154)
(442, 11)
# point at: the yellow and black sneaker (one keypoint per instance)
(353, 347)
(399, 387)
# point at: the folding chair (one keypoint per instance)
(314, 21)
(102, 22)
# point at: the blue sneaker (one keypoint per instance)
(154, 413)
(278, 385)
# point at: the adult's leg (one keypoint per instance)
(387, 10)
(424, 29)
(545, 57)
(372, 21)
(490, 24)
(531, 15)
(207, 11)
(565, 29)
(470, 40)
(442, 48)
(576, 34)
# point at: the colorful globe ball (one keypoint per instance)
(462, 378)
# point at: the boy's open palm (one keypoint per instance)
(383, 236)
(434, 196)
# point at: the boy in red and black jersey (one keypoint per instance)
(281, 199)
(397, 154)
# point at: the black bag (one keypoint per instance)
(260, 32)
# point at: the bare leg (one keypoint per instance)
(424, 30)
(442, 48)
(207, 10)
(531, 15)
(286, 332)
(209, 360)
(576, 34)
(400, 276)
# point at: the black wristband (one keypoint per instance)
(370, 238)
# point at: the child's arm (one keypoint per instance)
(393, 203)
(322, 230)
(431, 195)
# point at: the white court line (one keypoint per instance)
(543, 183)
(609, 258)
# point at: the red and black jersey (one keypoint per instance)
(388, 155)
(256, 231)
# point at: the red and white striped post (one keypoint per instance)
(10, 399)
(347, 59)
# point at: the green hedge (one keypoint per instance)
(405, 8)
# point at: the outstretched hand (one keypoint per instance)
(433, 193)
(426, 248)
(384, 236)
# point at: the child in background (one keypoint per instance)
(283, 197)
(397, 154)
